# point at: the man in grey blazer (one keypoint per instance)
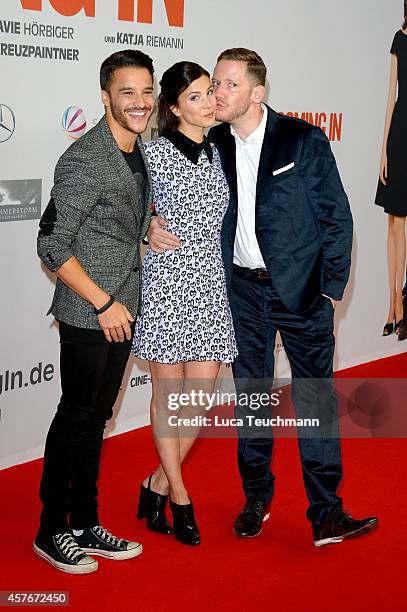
(89, 236)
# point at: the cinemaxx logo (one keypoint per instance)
(174, 9)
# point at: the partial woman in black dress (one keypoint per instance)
(392, 188)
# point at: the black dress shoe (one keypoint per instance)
(250, 521)
(184, 524)
(338, 525)
(151, 506)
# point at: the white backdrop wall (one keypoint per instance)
(327, 59)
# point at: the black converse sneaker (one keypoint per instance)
(63, 552)
(98, 541)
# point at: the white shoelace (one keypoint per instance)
(106, 535)
(68, 546)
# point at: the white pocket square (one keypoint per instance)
(283, 169)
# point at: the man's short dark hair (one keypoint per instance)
(122, 59)
(256, 68)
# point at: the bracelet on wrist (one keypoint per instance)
(103, 309)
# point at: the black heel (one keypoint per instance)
(151, 506)
(398, 325)
(388, 329)
(184, 524)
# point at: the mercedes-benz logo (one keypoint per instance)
(7, 122)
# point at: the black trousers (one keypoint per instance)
(91, 373)
(309, 344)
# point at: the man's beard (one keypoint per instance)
(231, 116)
(120, 116)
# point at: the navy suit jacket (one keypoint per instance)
(303, 219)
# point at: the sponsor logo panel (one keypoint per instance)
(74, 122)
(20, 199)
(7, 122)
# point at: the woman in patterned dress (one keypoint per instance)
(185, 327)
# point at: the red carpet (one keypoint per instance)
(280, 569)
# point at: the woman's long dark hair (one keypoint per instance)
(174, 81)
(405, 15)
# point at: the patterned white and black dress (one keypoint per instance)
(185, 314)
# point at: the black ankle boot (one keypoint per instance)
(184, 524)
(151, 506)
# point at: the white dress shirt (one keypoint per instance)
(246, 251)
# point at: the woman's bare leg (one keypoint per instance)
(197, 376)
(165, 379)
(391, 263)
(400, 263)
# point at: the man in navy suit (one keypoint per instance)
(286, 242)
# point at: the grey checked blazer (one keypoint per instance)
(97, 214)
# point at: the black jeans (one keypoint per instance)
(91, 373)
(309, 344)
